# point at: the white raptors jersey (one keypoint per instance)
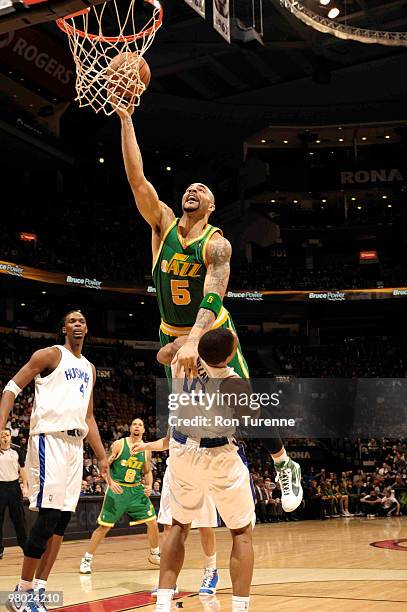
(210, 416)
(62, 398)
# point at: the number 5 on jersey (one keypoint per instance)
(180, 292)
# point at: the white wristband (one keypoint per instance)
(13, 388)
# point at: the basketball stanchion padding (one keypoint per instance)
(110, 70)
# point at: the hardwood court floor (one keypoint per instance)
(305, 566)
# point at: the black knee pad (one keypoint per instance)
(63, 523)
(42, 530)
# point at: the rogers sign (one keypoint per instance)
(33, 53)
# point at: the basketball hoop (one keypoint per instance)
(97, 84)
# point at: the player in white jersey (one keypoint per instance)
(206, 519)
(62, 416)
(209, 465)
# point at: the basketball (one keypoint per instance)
(125, 74)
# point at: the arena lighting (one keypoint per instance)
(263, 141)
(22, 304)
(324, 2)
(285, 141)
(295, 201)
(353, 199)
(333, 13)
(101, 160)
(272, 201)
(368, 257)
(343, 30)
(359, 208)
(340, 139)
(324, 201)
(389, 205)
(28, 237)
(387, 136)
(364, 138)
(168, 168)
(318, 141)
(384, 197)
(130, 314)
(44, 292)
(142, 303)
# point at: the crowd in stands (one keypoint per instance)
(126, 252)
(377, 489)
(350, 357)
(374, 483)
(277, 275)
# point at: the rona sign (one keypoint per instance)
(363, 177)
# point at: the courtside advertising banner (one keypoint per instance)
(221, 18)
(198, 6)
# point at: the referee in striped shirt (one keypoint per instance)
(12, 462)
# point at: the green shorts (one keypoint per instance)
(168, 333)
(132, 501)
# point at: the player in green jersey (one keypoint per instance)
(127, 495)
(191, 258)
(191, 267)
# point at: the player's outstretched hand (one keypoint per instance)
(186, 359)
(116, 488)
(138, 447)
(124, 110)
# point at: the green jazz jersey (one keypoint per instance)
(128, 468)
(179, 275)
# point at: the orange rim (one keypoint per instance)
(70, 30)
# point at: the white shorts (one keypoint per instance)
(220, 473)
(206, 517)
(54, 467)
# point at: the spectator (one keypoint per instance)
(314, 503)
(261, 495)
(390, 505)
(156, 489)
(371, 503)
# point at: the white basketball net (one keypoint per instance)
(341, 30)
(97, 84)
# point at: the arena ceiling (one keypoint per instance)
(204, 90)
(292, 75)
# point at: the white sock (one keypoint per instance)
(281, 458)
(210, 562)
(240, 603)
(39, 584)
(164, 597)
(88, 556)
(25, 585)
(155, 551)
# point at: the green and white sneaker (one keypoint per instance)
(289, 477)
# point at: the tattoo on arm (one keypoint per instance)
(216, 281)
(204, 319)
(217, 276)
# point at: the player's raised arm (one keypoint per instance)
(44, 359)
(219, 252)
(156, 213)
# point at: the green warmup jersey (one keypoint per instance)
(179, 276)
(128, 468)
